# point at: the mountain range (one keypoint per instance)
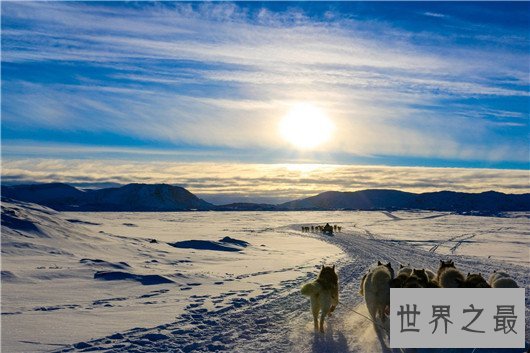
(164, 197)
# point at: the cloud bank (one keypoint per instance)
(230, 182)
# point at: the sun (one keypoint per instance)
(306, 126)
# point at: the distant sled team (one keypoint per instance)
(376, 283)
(327, 229)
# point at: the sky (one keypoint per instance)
(421, 96)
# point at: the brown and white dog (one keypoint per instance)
(324, 294)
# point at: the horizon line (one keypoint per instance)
(200, 196)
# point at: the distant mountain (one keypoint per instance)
(164, 197)
(131, 197)
(358, 200)
(246, 206)
(485, 202)
(55, 195)
(146, 197)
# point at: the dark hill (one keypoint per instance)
(487, 202)
(131, 197)
(55, 195)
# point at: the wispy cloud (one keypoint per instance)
(223, 74)
(434, 14)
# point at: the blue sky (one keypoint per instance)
(415, 84)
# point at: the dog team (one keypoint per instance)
(376, 283)
(323, 229)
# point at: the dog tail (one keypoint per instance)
(308, 289)
(361, 287)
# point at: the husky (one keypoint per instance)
(430, 275)
(399, 281)
(444, 265)
(408, 277)
(451, 278)
(474, 280)
(503, 280)
(406, 270)
(421, 276)
(403, 275)
(417, 279)
(324, 294)
(496, 275)
(375, 286)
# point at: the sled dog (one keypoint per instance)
(324, 294)
(449, 276)
(375, 287)
(502, 280)
(444, 265)
(475, 280)
(496, 275)
(404, 270)
(431, 275)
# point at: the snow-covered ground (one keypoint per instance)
(212, 281)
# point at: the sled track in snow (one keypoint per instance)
(460, 239)
(280, 321)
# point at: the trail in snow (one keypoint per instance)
(279, 320)
(456, 239)
(392, 216)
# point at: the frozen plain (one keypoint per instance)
(174, 282)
